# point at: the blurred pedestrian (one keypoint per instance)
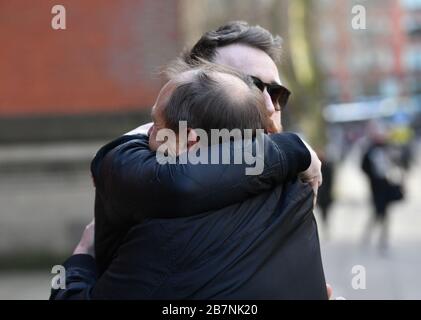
(401, 137)
(379, 167)
(324, 196)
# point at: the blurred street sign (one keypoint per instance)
(370, 109)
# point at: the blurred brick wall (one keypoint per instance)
(105, 61)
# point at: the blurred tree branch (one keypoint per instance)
(299, 66)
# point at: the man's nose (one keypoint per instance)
(268, 103)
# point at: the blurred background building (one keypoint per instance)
(103, 67)
(64, 93)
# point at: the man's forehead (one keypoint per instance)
(168, 89)
(163, 98)
(175, 81)
(249, 60)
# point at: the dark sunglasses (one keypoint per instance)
(279, 94)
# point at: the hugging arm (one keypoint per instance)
(126, 172)
(81, 276)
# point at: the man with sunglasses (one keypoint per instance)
(273, 248)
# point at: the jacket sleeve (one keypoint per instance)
(81, 276)
(127, 173)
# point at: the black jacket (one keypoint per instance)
(376, 164)
(131, 185)
(244, 237)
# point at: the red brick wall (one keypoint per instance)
(103, 62)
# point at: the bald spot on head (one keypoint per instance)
(233, 87)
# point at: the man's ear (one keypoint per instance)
(192, 138)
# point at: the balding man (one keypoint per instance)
(229, 234)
